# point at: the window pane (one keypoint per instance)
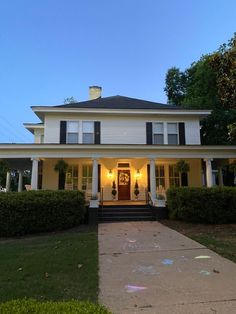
(158, 139)
(72, 127)
(88, 138)
(162, 174)
(88, 127)
(172, 128)
(172, 139)
(72, 138)
(157, 127)
(171, 171)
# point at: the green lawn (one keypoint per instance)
(219, 238)
(56, 266)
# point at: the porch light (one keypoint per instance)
(138, 174)
(109, 174)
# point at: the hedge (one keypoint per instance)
(40, 211)
(34, 307)
(215, 205)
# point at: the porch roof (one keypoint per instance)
(115, 151)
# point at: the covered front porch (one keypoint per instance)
(121, 173)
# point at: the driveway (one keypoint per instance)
(146, 267)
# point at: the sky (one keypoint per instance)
(54, 49)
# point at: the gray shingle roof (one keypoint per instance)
(118, 102)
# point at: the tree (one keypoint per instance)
(224, 64)
(61, 167)
(175, 86)
(70, 100)
(209, 83)
(232, 132)
(215, 128)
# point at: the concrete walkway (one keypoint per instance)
(146, 267)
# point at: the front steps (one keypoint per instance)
(112, 213)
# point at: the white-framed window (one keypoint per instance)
(174, 176)
(172, 133)
(72, 132)
(160, 176)
(88, 132)
(87, 173)
(158, 132)
(71, 182)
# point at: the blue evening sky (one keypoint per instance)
(53, 49)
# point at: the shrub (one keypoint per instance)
(32, 306)
(205, 205)
(40, 211)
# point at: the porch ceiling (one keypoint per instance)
(116, 151)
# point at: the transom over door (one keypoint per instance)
(124, 184)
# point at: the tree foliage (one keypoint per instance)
(70, 100)
(175, 86)
(209, 83)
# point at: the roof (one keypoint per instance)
(118, 102)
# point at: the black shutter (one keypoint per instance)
(184, 179)
(148, 177)
(62, 132)
(181, 133)
(149, 133)
(97, 131)
(99, 178)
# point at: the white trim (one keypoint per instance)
(41, 110)
(118, 151)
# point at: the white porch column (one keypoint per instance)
(95, 178)
(153, 179)
(209, 181)
(34, 174)
(20, 180)
(8, 181)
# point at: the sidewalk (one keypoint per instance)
(146, 267)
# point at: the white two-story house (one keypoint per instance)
(117, 140)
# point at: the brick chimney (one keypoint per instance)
(95, 92)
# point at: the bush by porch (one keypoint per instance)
(205, 205)
(40, 211)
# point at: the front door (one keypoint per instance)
(124, 184)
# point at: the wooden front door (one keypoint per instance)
(124, 184)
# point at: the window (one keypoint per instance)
(123, 165)
(88, 132)
(72, 132)
(71, 182)
(158, 133)
(160, 176)
(172, 130)
(174, 176)
(87, 172)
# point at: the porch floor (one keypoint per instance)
(123, 203)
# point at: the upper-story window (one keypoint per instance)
(158, 133)
(88, 132)
(172, 132)
(72, 132)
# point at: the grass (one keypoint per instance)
(218, 238)
(56, 266)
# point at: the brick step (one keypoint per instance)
(125, 218)
(125, 213)
(123, 210)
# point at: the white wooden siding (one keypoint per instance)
(120, 129)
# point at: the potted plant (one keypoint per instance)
(113, 191)
(183, 167)
(136, 190)
(61, 167)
